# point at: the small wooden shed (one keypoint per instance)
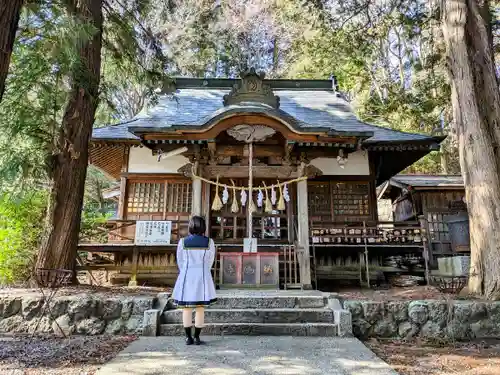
(432, 196)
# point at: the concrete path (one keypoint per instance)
(238, 355)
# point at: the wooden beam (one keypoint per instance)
(212, 131)
(152, 177)
(259, 171)
(242, 150)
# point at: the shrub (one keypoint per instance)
(21, 227)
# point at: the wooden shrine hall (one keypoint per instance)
(283, 171)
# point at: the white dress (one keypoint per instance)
(194, 286)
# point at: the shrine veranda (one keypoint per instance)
(283, 166)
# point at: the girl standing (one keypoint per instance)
(194, 288)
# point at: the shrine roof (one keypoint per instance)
(430, 180)
(310, 108)
(421, 182)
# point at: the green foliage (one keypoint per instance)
(44, 60)
(37, 88)
(21, 227)
(91, 221)
(390, 62)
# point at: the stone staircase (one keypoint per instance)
(277, 313)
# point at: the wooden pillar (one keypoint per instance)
(122, 202)
(134, 268)
(303, 231)
(427, 254)
(196, 208)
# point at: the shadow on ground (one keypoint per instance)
(234, 355)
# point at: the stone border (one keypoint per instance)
(341, 317)
(84, 313)
(440, 320)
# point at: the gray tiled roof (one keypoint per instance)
(118, 131)
(423, 181)
(304, 109)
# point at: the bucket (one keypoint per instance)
(458, 228)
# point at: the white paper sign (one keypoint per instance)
(153, 233)
(250, 245)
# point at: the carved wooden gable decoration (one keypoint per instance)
(251, 88)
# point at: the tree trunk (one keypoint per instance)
(70, 162)
(476, 107)
(9, 19)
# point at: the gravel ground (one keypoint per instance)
(78, 355)
(425, 358)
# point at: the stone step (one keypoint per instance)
(269, 302)
(256, 329)
(292, 315)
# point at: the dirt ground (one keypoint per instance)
(420, 358)
(355, 293)
(78, 355)
(409, 293)
(104, 291)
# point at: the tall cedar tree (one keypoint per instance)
(70, 161)
(9, 20)
(476, 106)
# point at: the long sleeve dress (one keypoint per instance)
(194, 286)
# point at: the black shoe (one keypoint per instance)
(189, 338)
(197, 340)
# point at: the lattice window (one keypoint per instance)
(319, 197)
(351, 199)
(438, 229)
(145, 197)
(179, 197)
(339, 201)
(159, 197)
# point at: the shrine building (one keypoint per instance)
(283, 171)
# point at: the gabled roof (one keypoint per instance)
(421, 182)
(306, 110)
(429, 181)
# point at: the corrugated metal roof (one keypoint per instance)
(423, 181)
(304, 109)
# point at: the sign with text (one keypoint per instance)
(153, 233)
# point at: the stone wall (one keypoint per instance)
(428, 319)
(76, 314)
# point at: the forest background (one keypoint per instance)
(388, 58)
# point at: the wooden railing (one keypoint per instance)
(367, 233)
(122, 232)
(113, 231)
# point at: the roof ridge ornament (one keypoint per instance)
(252, 88)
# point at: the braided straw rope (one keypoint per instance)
(278, 185)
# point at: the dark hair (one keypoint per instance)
(197, 226)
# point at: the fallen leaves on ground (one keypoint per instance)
(101, 291)
(420, 292)
(425, 358)
(56, 356)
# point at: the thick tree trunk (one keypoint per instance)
(476, 106)
(9, 19)
(70, 161)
